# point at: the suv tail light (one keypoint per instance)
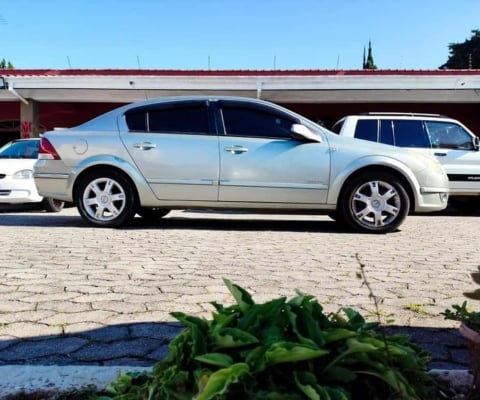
(47, 151)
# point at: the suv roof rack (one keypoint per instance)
(407, 114)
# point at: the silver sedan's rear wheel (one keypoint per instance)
(374, 202)
(105, 199)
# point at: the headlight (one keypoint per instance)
(23, 174)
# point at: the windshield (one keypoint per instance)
(20, 149)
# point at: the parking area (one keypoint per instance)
(72, 294)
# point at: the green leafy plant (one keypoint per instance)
(465, 315)
(470, 330)
(281, 349)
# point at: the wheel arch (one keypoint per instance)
(384, 169)
(105, 167)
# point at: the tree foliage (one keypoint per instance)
(368, 63)
(4, 64)
(465, 55)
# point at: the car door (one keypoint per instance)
(261, 163)
(175, 147)
(453, 146)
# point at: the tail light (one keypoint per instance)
(47, 151)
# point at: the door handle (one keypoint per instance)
(236, 149)
(144, 145)
(440, 154)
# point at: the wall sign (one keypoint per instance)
(26, 131)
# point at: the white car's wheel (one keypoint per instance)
(105, 199)
(374, 202)
(52, 205)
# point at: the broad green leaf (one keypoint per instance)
(307, 383)
(241, 296)
(263, 315)
(190, 320)
(311, 392)
(273, 333)
(255, 359)
(396, 381)
(336, 334)
(282, 352)
(357, 322)
(218, 359)
(355, 346)
(232, 337)
(218, 382)
(301, 299)
(199, 341)
(224, 320)
(306, 326)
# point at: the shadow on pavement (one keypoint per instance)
(219, 220)
(142, 344)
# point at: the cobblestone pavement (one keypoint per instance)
(71, 294)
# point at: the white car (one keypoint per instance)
(452, 143)
(16, 175)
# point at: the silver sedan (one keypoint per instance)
(150, 157)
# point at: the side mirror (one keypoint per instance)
(301, 132)
(476, 143)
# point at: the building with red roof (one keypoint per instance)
(40, 99)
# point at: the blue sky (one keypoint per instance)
(227, 34)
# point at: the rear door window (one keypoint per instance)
(184, 118)
(190, 119)
(386, 131)
(367, 129)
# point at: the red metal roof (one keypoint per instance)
(239, 72)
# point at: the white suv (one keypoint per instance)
(448, 140)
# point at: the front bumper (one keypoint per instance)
(18, 191)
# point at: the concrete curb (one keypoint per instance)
(28, 378)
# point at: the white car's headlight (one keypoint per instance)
(23, 174)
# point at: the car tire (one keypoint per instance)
(52, 205)
(152, 213)
(374, 203)
(105, 199)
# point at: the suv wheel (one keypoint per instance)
(105, 199)
(374, 202)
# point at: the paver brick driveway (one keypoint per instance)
(60, 277)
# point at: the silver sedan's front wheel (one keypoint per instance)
(376, 203)
(105, 199)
